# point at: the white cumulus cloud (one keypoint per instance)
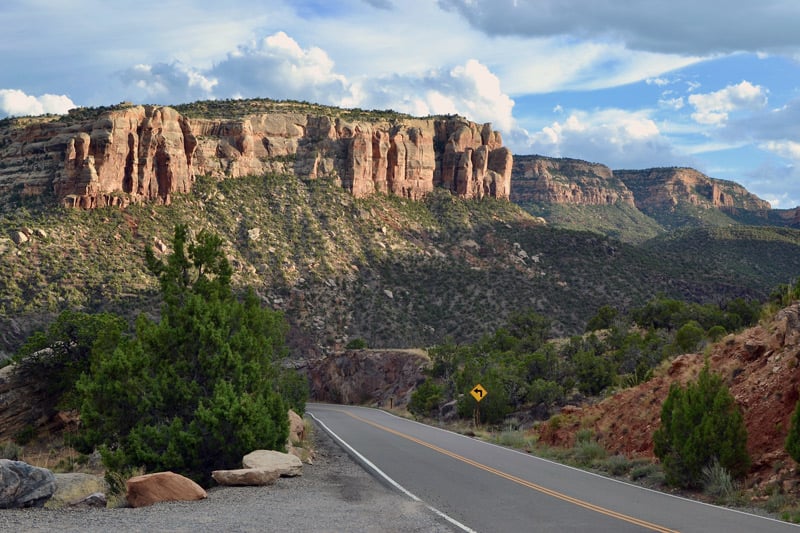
(714, 108)
(14, 102)
(616, 137)
(279, 67)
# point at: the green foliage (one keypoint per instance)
(792, 443)
(62, 353)
(25, 435)
(546, 392)
(197, 390)
(689, 336)
(356, 344)
(593, 372)
(700, 424)
(426, 398)
(604, 318)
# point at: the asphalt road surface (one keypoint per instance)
(483, 487)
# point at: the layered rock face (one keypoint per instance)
(664, 188)
(148, 153)
(539, 179)
(374, 377)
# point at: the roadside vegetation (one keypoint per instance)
(191, 392)
(527, 370)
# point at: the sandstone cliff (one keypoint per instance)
(665, 188)
(147, 153)
(539, 179)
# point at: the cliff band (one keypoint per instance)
(147, 153)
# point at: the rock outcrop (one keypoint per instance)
(24, 401)
(148, 153)
(384, 378)
(665, 188)
(539, 179)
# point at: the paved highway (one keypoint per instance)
(483, 487)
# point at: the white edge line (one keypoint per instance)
(588, 472)
(371, 466)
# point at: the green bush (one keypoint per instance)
(62, 353)
(197, 390)
(426, 398)
(546, 392)
(594, 373)
(689, 336)
(792, 443)
(356, 344)
(700, 424)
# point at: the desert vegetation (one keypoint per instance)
(190, 392)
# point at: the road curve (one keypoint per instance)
(484, 487)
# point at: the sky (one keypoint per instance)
(631, 84)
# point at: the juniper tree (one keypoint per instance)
(700, 423)
(198, 389)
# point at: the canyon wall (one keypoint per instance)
(148, 153)
(548, 180)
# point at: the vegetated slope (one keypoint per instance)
(618, 221)
(396, 272)
(575, 194)
(738, 254)
(760, 365)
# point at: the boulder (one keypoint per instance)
(24, 485)
(297, 428)
(285, 464)
(246, 477)
(74, 487)
(161, 487)
(19, 237)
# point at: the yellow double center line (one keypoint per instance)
(520, 481)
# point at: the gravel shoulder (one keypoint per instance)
(333, 494)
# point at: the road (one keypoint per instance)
(484, 487)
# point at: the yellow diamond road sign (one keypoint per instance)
(478, 392)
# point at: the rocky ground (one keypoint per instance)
(333, 494)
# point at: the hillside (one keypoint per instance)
(678, 197)
(760, 367)
(315, 216)
(396, 272)
(634, 205)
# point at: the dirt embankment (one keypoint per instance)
(760, 365)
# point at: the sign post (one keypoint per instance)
(479, 393)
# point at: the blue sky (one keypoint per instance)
(628, 83)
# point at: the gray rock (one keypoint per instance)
(95, 500)
(285, 464)
(23, 485)
(246, 477)
(19, 237)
